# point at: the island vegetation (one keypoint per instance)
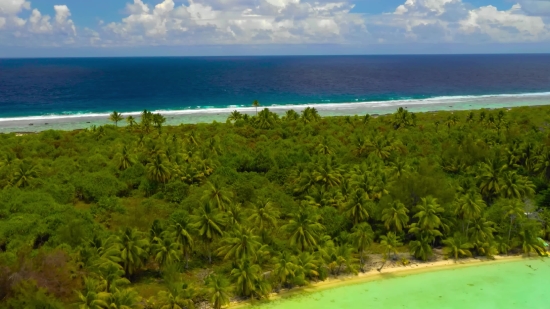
(151, 216)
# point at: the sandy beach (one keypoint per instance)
(390, 270)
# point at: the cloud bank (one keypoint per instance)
(264, 22)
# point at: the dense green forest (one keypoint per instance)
(143, 215)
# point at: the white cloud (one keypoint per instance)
(456, 21)
(223, 22)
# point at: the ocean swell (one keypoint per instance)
(476, 101)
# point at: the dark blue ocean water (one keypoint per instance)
(71, 86)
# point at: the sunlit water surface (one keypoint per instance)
(517, 284)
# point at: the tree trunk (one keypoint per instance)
(467, 228)
(510, 231)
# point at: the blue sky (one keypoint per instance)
(218, 27)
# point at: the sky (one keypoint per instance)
(73, 28)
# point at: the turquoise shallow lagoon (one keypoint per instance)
(514, 284)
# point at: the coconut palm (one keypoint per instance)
(469, 207)
(124, 158)
(218, 290)
(165, 250)
(291, 115)
(457, 246)
(240, 244)
(132, 249)
(362, 237)
(481, 231)
(91, 297)
(285, 268)
(515, 186)
(256, 104)
(158, 120)
(421, 248)
(395, 216)
(530, 242)
(112, 276)
(323, 147)
(514, 209)
(357, 208)
(489, 176)
(389, 242)
(306, 266)
(234, 116)
(124, 299)
(339, 258)
(246, 276)
(131, 121)
(24, 175)
(159, 169)
(116, 117)
(263, 215)
(217, 195)
(209, 223)
(428, 213)
(304, 230)
(181, 230)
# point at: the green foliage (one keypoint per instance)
(261, 202)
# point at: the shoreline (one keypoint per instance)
(208, 115)
(390, 271)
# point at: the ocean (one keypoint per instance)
(37, 89)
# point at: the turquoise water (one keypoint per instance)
(518, 284)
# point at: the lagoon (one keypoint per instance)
(507, 284)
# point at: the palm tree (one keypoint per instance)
(246, 276)
(182, 230)
(362, 237)
(158, 121)
(112, 276)
(124, 158)
(323, 147)
(457, 246)
(124, 299)
(304, 230)
(481, 231)
(256, 104)
(234, 116)
(165, 250)
(427, 213)
(209, 223)
(515, 209)
(158, 169)
(132, 247)
(395, 217)
(24, 175)
(530, 242)
(489, 176)
(469, 207)
(285, 267)
(116, 117)
(131, 121)
(390, 243)
(291, 115)
(357, 207)
(217, 195)
(264, 215)
(421, 248)
(515, 186)
(338, 257)
(218, 290)
(92, 298)
(306, 266)
(242, 243)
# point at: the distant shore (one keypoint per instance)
(391, 270)
(73, 122)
